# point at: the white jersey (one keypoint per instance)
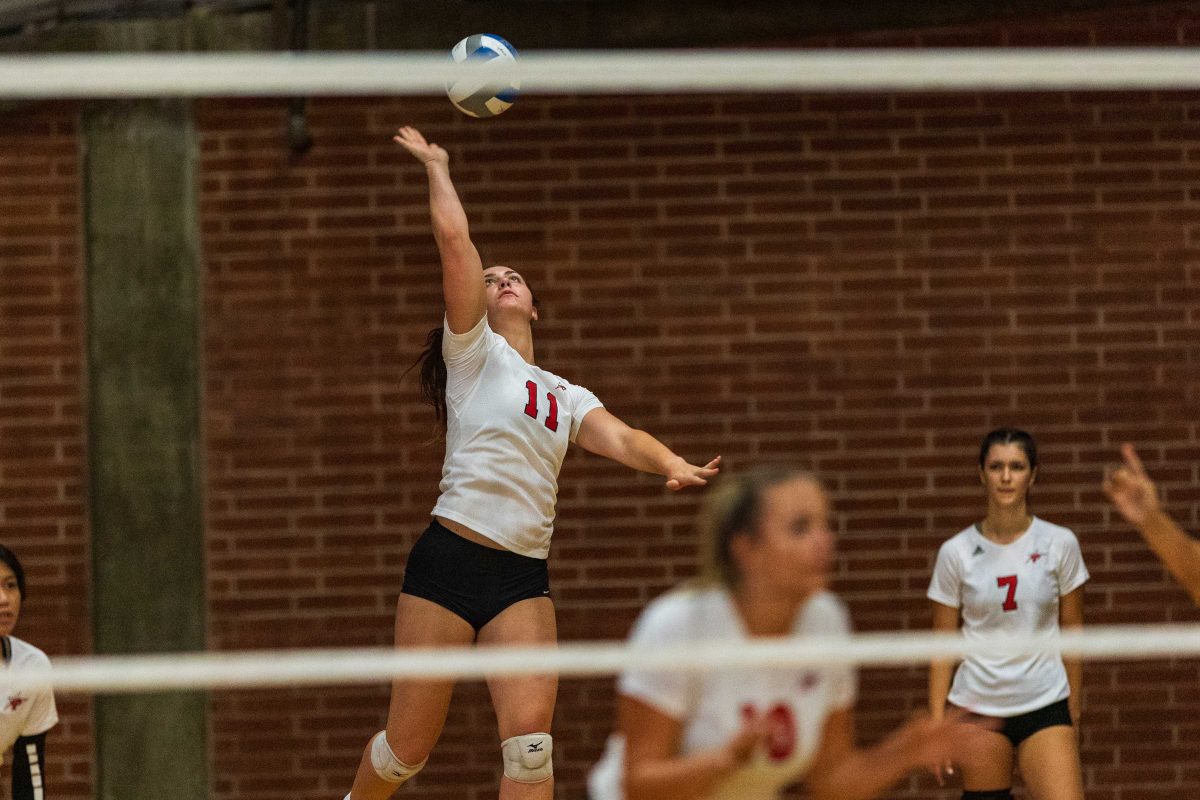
(1008, 589)
(25, 712)
(507, 428)
(711, 706)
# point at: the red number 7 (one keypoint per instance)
(1010, 601)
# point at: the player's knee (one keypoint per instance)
(528, 758)
(387, 766)
(990, 794)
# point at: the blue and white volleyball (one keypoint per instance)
(490, 86)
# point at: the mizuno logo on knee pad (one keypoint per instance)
(387, 766)
(528, 758)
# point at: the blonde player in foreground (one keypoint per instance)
(745, 734)
(1136, 498)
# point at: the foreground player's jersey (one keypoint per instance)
(711, 706)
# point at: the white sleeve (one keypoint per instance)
(43, 714)
(670, 691)
(582, 401)
(1072, 573)
(945, 586)
(464, 354)
(843, 692)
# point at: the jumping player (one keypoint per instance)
(478, 573)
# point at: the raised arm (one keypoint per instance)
(1136, 498)
(462, 269)
(605, 435)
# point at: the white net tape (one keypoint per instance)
(624, 72)
(106, 674)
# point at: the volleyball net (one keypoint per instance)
(599, 72)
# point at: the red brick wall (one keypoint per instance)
(863, 284)
(42, 456)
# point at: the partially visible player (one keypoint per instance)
(1012, 573)
(746, 734)
(26, 715)
(1135, 496)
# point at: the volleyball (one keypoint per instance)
(493, 91)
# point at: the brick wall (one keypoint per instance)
(42, 438)
(863, 284)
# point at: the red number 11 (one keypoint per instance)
(531, 408)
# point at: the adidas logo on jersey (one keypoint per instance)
(978, 550)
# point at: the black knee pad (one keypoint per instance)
(990, 794)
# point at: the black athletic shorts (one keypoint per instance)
(1019, 728)
(472, 580)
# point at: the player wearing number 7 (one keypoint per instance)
(478, 573)
(1012, 573)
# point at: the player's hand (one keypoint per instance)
(941, 771)
(741, 747)
(1130, 488)
(936, 744)
(684, 474)
(411, 140)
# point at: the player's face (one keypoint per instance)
(507, 290)
(793, 549)
(10, 600)
(1006, 475)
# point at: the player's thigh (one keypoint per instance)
(418, 707)
(986, 761)
(1050, 765)
(523, 703)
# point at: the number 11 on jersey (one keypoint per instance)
(531, 408)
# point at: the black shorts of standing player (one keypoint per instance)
(472, 580)
(1019, 728)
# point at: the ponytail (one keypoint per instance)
(433, 374)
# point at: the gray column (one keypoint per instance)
(143, 301)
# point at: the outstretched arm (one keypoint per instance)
(840, 771)
(462, 269)
(605, 435)
(1136, 498)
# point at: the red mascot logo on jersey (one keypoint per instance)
(15, 701)
(1033, 557)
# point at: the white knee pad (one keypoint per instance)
(527, 758)
(387, 766)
